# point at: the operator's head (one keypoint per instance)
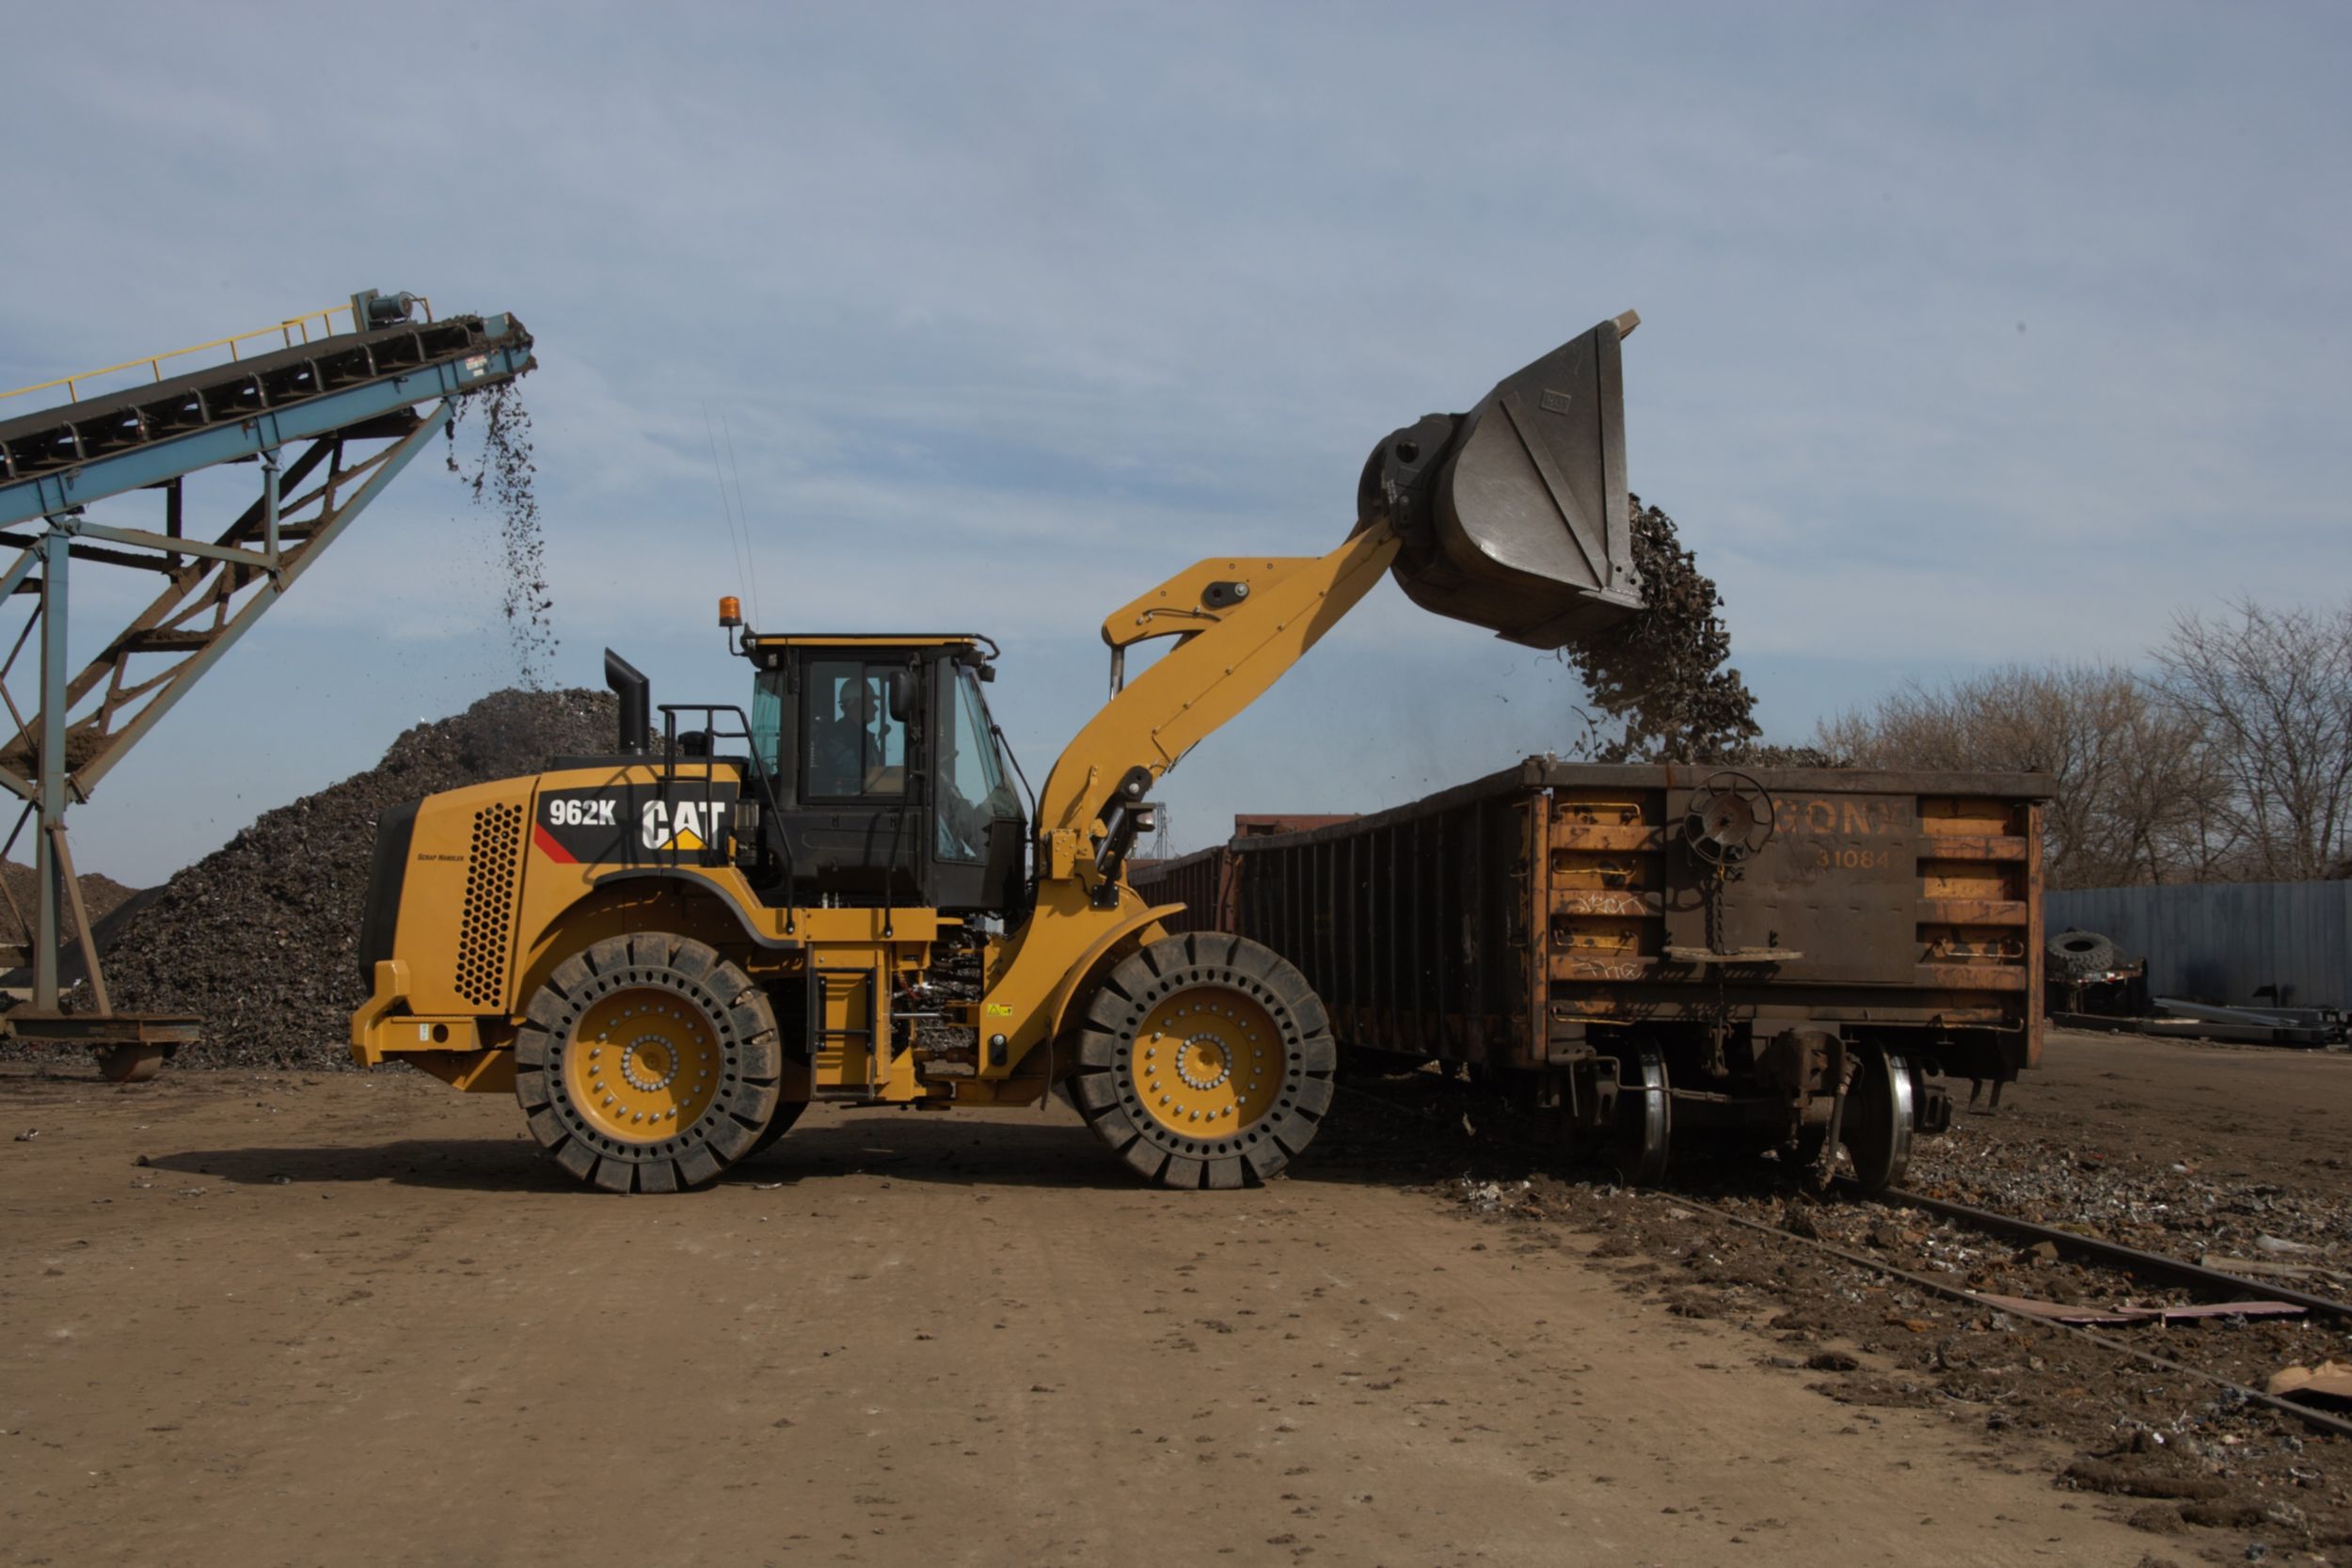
(857, 700)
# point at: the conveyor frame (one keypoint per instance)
(348, 403)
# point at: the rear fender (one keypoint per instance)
(629, 902)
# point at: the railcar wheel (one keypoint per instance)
(1638, 1147)
(1878, 1113)
(129, 1064)
(1205, 1060)
(649, 1063)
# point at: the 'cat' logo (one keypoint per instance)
(686, 825)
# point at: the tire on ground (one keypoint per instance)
(680, 972)
(2078, 955)
(1205, 964)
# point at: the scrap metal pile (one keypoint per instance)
(257, 937)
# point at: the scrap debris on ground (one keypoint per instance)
(101, 896)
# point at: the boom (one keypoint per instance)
(1239, 626)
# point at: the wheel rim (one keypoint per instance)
(644, 1063)
(1207, 1063)
(1644, 1129)
(1877, 1130)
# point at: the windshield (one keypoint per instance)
(973, 791)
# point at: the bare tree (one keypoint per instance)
(2134, 792)
(2272, 691)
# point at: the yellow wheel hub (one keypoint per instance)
(1207, 1062)
(643, 1064)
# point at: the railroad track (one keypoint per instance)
(2140, 1264)
(2151, 1267)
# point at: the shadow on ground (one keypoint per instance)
(1365, 1141)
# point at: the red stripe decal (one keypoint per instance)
(548, 846)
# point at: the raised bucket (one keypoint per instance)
(1514, 516)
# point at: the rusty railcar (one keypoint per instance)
(1203, 881)
(1767, 958)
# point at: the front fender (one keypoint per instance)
(1079, 980)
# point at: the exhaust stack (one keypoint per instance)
(629, 685)
(1514, 516)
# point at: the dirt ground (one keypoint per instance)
(2196, 1150)
(352, 1315)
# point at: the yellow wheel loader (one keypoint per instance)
(666, 953)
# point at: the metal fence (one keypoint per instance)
(2222, 941)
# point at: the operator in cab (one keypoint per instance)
(849, 755)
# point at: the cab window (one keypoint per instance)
(855, 748)
(767, 720)
(973, 790)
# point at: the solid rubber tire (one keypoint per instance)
(743, 1106)
(1103, 1089)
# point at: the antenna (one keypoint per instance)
(736, 540)
(751, 547)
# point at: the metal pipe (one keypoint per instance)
(50, 801)
(89, 939)
(269, 503)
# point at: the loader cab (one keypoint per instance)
(891, 785)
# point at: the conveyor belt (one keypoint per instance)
(76, 452)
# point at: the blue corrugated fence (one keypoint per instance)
(2219, 941)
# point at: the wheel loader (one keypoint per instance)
(666, 953)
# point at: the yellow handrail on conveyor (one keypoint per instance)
(285, 331)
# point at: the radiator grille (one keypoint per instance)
(482, 937)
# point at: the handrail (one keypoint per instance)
(154, 362)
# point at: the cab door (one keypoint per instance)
(853, 821)
(978, 835)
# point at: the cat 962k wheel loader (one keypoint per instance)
(664, 954)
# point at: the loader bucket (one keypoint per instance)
(1514, 516)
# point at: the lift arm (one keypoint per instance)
(1238, 625)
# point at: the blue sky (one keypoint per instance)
(1968, 334)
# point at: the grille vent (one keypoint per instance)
(482, 937)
